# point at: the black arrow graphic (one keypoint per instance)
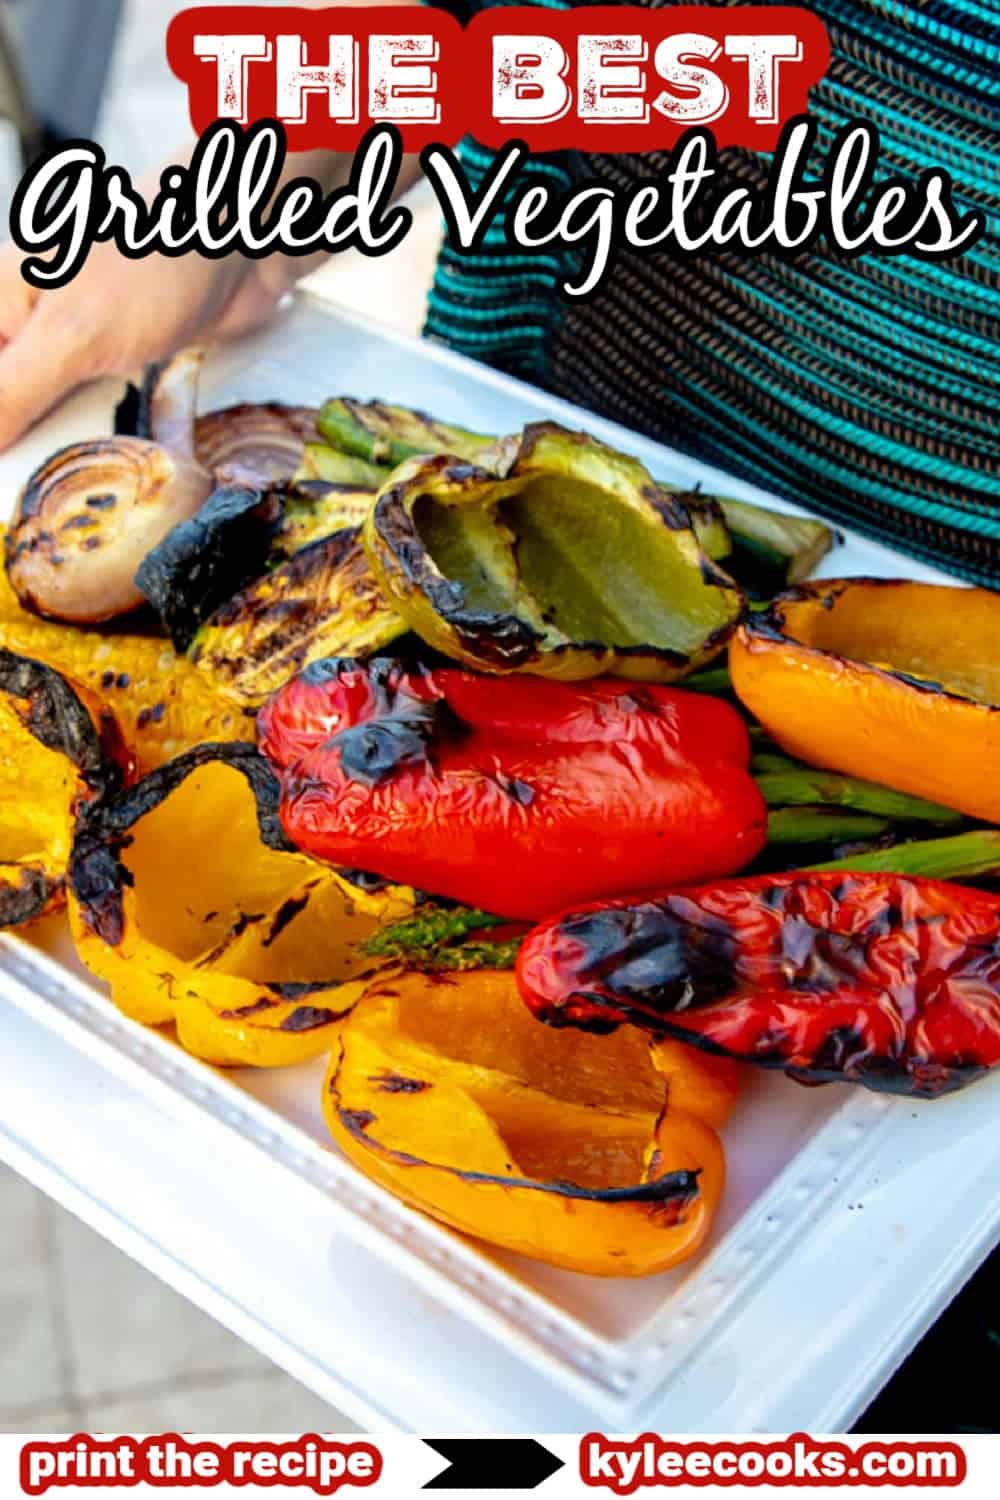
(492, 1464)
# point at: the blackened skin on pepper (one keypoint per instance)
(877, 979)
(512, 794)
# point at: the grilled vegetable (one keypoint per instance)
(162, 703)
(513, 795)
(457, 938)
(105, 525)
(187, 900)
(963, 856)
(894, 680)
(87, 518)
(163, 407)
(323, 600)
(707, 520)
(271, 1032)
(599, 1156)
(786, 783)
(387, 435)
(782, 548)
(330, 466)
(205, 560)
(767, 549)
(431, 928)
(255, 444)
(58, 751)
(236, 539)
(249, 444)
(562, 561)
(764, 550)
(309, 517)
(882, 980)
(822, 825)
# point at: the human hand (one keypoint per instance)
(117, 314)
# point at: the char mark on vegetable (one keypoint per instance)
(649, 958)
(486, 791)
(96, 871)
(286, 913)
(520, 792)
(394, 1083)
(375, 752)
(57, 719)
(669, 1195)
(243, 1011)
(26, 895)
(309, 1018)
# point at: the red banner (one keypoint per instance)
(601, 78)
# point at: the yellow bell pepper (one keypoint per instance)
(599, 1154)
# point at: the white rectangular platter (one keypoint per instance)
(850, 1219)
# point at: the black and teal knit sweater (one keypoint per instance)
(867, 390)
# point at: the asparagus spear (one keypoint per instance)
(963, 856)
(822, 825)
(383, 434)
(451, 957)
(432, 939)
(334, 467)
(710, 680)
(430, 927)
(786, 783)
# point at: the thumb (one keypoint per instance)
(45, 360)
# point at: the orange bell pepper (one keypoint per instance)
(894, 681)
(599, 1154)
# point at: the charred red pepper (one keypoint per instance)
(513, 794)
(882, 980)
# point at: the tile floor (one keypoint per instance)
(92, 1341)
(88, 1339)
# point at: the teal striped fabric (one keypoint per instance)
(868, 390)
(498, 305)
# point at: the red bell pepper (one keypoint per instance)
(515, 794)
(883, 980)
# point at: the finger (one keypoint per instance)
(17, 298)
(259, 294)
(242, 314)
(46, 360)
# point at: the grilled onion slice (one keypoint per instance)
(86, 519)
(263, 444)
